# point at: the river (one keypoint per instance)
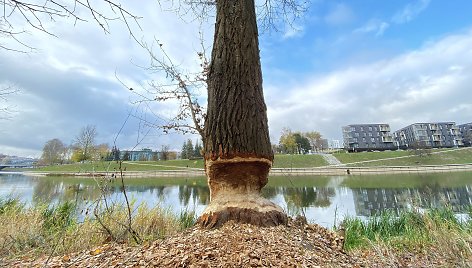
(325, 200)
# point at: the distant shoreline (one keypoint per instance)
(323, 171)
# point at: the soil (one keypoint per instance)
(297, 244)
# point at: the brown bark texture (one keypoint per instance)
(236, 122)
(238, 153)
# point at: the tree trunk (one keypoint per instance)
(238, 153)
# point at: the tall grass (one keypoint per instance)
(55, 229)
(437, 231)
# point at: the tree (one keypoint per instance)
(238, 153)
(315, 139)
(190, 149)
(15, 13)
(303, 145)
(197, 151)
(4, 92)
(115, 154)
(165, 152)
(53, 152)
(287, 142)
(101, 152)
(85, 141)
(183, 153)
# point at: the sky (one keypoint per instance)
(342, 62)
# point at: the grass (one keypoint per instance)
(55, 229)
(407, 158)
(347, 158)
(443, 157)
(298, 161)
(436, 231)
(281, 161)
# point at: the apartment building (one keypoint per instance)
(367, 137)
(432, 135)
(466, 132)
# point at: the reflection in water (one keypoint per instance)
(320, 198)
(370, 202)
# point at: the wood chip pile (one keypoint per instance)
(233, 245)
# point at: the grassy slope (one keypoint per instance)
(445, 157)
(280, 161)
(299, 161)
(438, 157)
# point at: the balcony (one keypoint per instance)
(387, 139)
(433, 126)
(384, 128)
(436, 138)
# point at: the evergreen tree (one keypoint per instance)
(183, 153)
(197, 150)
(189, 149)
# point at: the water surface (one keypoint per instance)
(325, 200)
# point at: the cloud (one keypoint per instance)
(292, 31)
(340, 14)
(376, 26)
(428, 84)
(70, 82)
(410, 11)
(405, 15)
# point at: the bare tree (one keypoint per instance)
(54, 152)
(85, 141)
(180, 86)
(315, 139)
(15, 14)
(237, 149)
(5, 111)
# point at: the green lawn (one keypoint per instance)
(438, 157)
(298, 161)
(346, 158)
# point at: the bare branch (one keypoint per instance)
(272, 14)
(34, 14)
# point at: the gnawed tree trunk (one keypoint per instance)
(238, 153)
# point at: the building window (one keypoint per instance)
(370, 128)
(372, 139)
(370, 134)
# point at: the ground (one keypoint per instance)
(237, 245)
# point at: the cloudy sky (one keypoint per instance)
(360, 61)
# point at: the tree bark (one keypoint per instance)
(238, 153)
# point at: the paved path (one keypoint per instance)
(331, 159)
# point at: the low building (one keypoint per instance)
(429, 135)
(466, 132)
(367, 137)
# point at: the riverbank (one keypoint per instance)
(387, 162)
(324, 171)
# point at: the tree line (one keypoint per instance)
(190, 152)
(300, 142)
(83, 148)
